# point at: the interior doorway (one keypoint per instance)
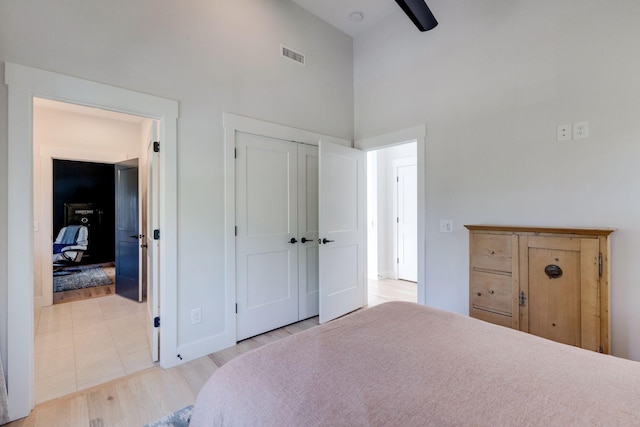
(24, 84)
(392, 217)
(83, 230)
(84, 341)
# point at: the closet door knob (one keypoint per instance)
(325, 241)
(305, 240)
(293, 240)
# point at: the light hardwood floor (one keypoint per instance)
(88, 293)
(151, 394)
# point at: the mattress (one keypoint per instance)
(404, 364)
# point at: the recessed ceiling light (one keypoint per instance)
(356, 17)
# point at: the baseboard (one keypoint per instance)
(204, 347)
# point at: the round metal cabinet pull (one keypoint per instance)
(553, 271)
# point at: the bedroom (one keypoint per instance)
(491, 86)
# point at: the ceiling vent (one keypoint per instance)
(285, 52)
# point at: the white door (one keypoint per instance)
(308, 230)
(407, 221)
(153, 246)
(267, 234)
(342, 228)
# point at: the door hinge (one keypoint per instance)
(397, 260)
(397, 220)
(522, 299)
(156, 322)
(397, 179)
(156, 146)
(600, 349)
(156, 234)
(235, 153)
(235, 230)
(236, 308)
(600, 264)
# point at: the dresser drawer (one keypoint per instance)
(491, 252)
(491, 292)
(488, 316)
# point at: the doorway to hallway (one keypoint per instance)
(392, 217)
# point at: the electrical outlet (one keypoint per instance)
(196, 316)
(446, 226)
(580, 130)
(564, 132)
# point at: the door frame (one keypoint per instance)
(403, 136)
(24, 83)
(234, 123)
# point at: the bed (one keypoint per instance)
(404, 364)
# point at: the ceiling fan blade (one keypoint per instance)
(419, 13)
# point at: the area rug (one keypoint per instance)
(180, 418)
(80, 277)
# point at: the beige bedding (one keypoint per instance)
(403, 364)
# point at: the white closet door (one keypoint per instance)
(308, 230)
(407, 184)
(267, 221)
(342, 228)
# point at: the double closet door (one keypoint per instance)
(276, 233)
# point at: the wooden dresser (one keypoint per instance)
(550, 282)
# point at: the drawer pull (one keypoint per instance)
(479, 294)
(491, 291)
(553, 271)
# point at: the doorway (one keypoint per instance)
(83, 342)
(83, 219)
(24, 83)
(392, 219)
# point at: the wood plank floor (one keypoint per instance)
(86, 293)
(146, 396)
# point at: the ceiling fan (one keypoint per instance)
(419, 13)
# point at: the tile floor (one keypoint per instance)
(84, 343)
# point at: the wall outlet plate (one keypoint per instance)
(196, 316)
(580, 130)
(564, 132)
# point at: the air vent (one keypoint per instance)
(292, 55)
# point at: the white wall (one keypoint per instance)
(212, 57)
(492, 82)
(386, 206)
(69, 135)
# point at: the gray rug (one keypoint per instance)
(79, 277)
(180, 418)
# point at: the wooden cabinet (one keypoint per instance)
(550, 282)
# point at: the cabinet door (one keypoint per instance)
(559, 281)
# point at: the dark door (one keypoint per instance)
(127, 247)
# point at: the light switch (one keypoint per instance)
(446, 226)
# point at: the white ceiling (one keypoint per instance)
(337, 12)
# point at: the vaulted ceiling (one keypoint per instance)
(340, 13)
